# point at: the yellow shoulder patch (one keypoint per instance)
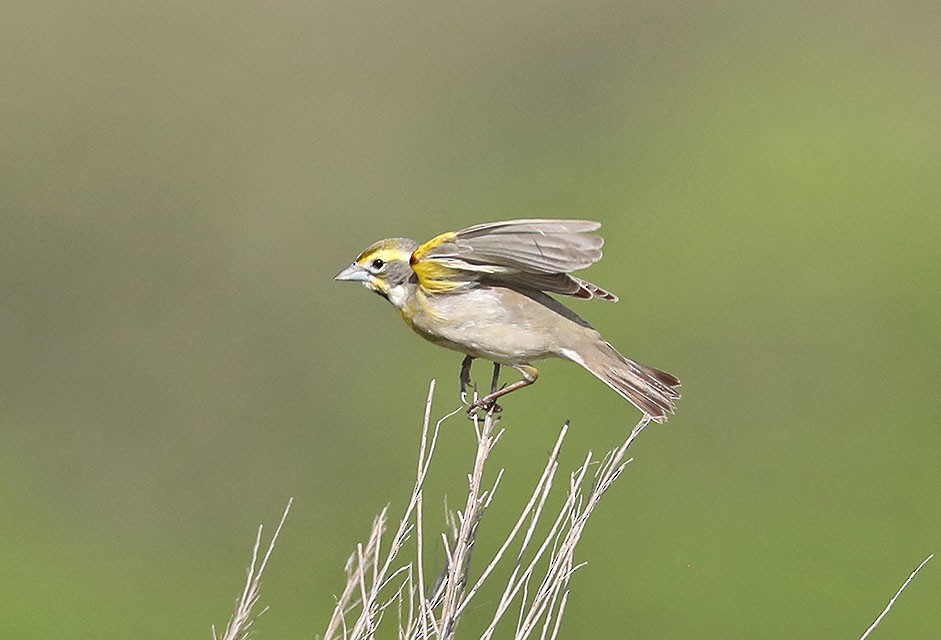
(422, 251)
(433, 276)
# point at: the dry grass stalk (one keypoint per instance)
(240, 624)
(376, 582)
(542, 564)
(888, 607)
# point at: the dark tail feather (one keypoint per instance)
(650, 390)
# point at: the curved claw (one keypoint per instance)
(484, 404)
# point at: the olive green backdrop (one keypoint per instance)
(180, 181)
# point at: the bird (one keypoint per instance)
(484, 291)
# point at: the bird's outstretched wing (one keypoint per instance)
(533, 254)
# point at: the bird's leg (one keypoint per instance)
(465, 377)
(530, 373)
(494, 385)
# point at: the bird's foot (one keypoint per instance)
(485, 404)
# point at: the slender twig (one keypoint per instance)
(470, 518)
(435, 607)
(894, 598)
(240, 624)
(368, 560)
(536, 501)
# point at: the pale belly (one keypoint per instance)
(497, 324)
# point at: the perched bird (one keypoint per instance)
(483, 291)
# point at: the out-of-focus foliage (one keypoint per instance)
(180, 181)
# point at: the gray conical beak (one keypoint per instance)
(353, 273)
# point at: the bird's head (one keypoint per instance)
(385, 268)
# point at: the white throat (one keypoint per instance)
(398, 295)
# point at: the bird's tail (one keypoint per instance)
(650, 390)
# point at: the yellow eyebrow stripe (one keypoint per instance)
(386, 254)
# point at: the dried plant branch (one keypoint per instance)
(894, 598)
(432, 609)
(537, 501)
(543, 563)
(369, 607)
(477, 502)
(240, 624)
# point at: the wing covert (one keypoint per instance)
(534, 253)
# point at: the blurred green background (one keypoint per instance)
(181, 181)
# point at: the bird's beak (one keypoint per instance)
(353, 273)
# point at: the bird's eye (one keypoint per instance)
(377, 264)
